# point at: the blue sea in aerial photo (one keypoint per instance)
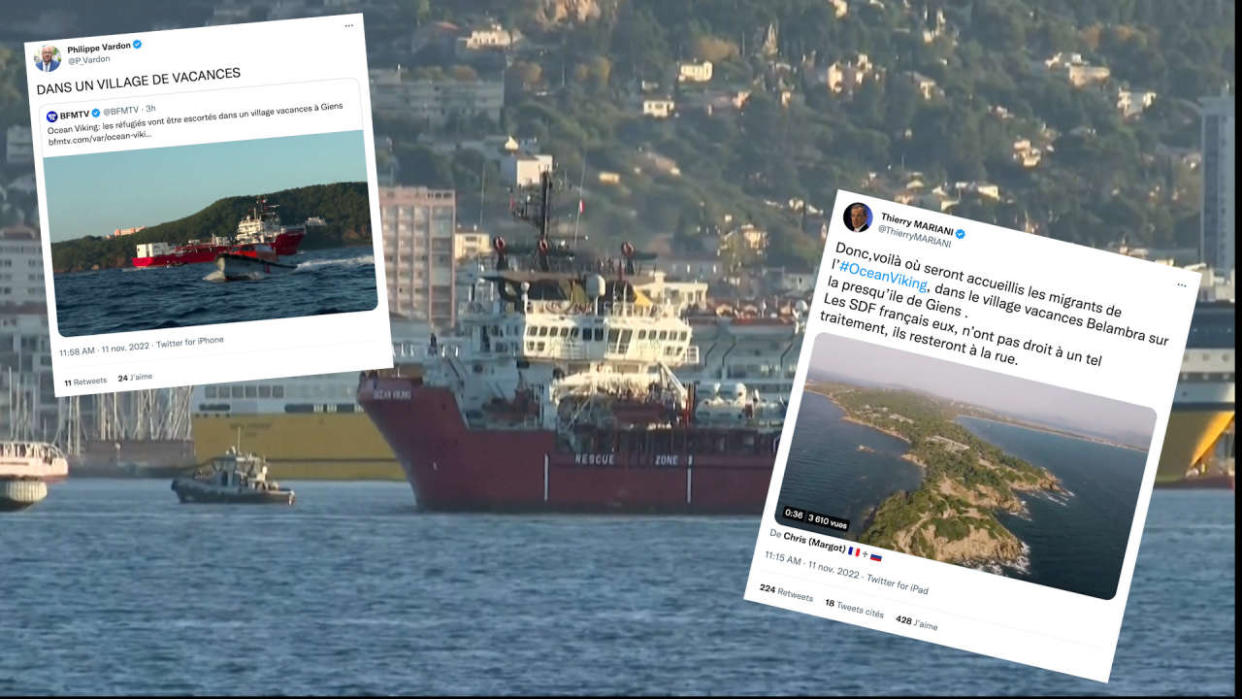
(337, 280)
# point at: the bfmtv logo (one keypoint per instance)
(54, 116)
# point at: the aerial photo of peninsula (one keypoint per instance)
(967, 466)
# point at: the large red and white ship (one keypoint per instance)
(561, 394)
(260, 227)
(573, 391)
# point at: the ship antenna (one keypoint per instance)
(581, 182)
(538, 213)
(545, 215)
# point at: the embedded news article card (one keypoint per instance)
(973, 436)
(208, 204)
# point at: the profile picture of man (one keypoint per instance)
(857, 217)
(48, 59)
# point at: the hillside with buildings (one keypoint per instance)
(681, 124)
(717, 134)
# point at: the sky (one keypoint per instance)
(861, 363)
(97, 193)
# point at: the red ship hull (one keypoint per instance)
(205, 253)
(285, 244)
(454, 468)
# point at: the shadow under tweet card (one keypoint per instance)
(973, 436)
(209, 205)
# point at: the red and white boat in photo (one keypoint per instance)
(260, 227)
(192, 252)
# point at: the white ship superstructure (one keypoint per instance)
(758, 351)
(597, 339)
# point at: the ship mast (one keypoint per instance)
(536, 209)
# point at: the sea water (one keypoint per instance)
(337, 280)
(827, 472)
(1077, 543)
(111, 586)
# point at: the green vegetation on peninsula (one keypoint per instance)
(343, 206)
(951, 517)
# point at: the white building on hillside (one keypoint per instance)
(694, 72)
(659, 108)
(524, 169)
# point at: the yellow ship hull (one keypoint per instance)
(1191, 434)
(315, 446)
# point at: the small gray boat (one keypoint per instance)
(235, 477)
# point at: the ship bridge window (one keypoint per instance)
(278, 391)
(663, 335)
(252, 391)
(209, 392)
(573, 333)
(642, 334)
(613, 335)
(564, 332)
(265, 391)
(237, 391)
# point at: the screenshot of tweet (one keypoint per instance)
(972, 436)
(209, 204)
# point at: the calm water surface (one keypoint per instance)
(339, 280)
(828, 474)
(1077, 543)
(113, 587)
